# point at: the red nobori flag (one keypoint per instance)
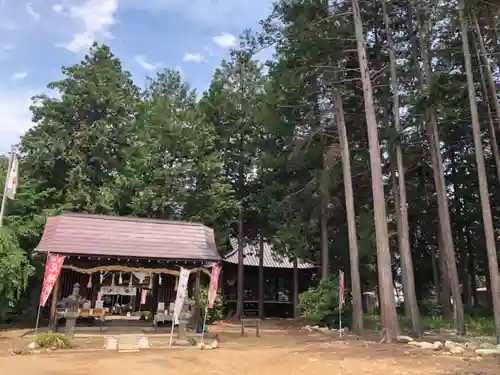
(214, 283)
(52, 269)
(341, 289)
(144, 294)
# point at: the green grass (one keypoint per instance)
(53, 340)
(475, 326)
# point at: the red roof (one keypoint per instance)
(115, 236)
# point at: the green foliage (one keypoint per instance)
(475, 326)
(192, 341)
(217, 312)
(261, 141)
(320, 304)
(52, 340)
(15, 271)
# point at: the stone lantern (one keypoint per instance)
(71, 313)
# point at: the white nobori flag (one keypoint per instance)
(12, 178)
(181, 294)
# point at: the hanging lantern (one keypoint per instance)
(89, 284)
(101, 277)
(113, 279)
(120, 280)
(130, 281)
(159, 279)
(176, 283)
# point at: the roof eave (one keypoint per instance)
(42, 252)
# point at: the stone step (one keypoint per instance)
(128, 343)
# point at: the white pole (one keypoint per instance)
(4, 196)
(39, 306)
(204, 323)
(340, 318)
(172, 331)
(37, 318)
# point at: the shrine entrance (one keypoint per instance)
(127, 269)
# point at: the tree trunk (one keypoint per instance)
(442, 195)
(435, 274)
(486, 100)
(386, 290)
(410, 297)
(487, 68)
(325, 254)
(241, 269)
(296, 312)
(397, 205)
(357, 302)
(464, 276)
(473, 283)
(445, 294)
(261, 276)
(481, 172)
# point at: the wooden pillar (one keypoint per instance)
(296, 312)
(96, 288)
(53, 304)
(155, 292)
(261, 278)
(197, 306)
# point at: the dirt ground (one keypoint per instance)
(280, 350)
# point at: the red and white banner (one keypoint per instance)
(341, 289)
(214, 283)
(52, 270)
(144, 293)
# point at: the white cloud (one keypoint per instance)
(193, 57)
(97, 17)
(7, 47)
(225, 40)
(57, 8)
(15, 116)
(142, 61)
(20, 75)
(241, 14)
(33, 14)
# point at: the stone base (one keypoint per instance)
(181, 343)
(128, 351)
(110, 343)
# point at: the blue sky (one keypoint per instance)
(37, 37)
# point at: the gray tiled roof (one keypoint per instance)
(271, 258)
(115, 236)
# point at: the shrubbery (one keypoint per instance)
(15, 270)
(217, 312)
(320, 304)
(52, 340)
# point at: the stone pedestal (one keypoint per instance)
(71, 313)
(69, 329)
(182, 333)
(110, 343)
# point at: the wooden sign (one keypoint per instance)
(118, 291)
